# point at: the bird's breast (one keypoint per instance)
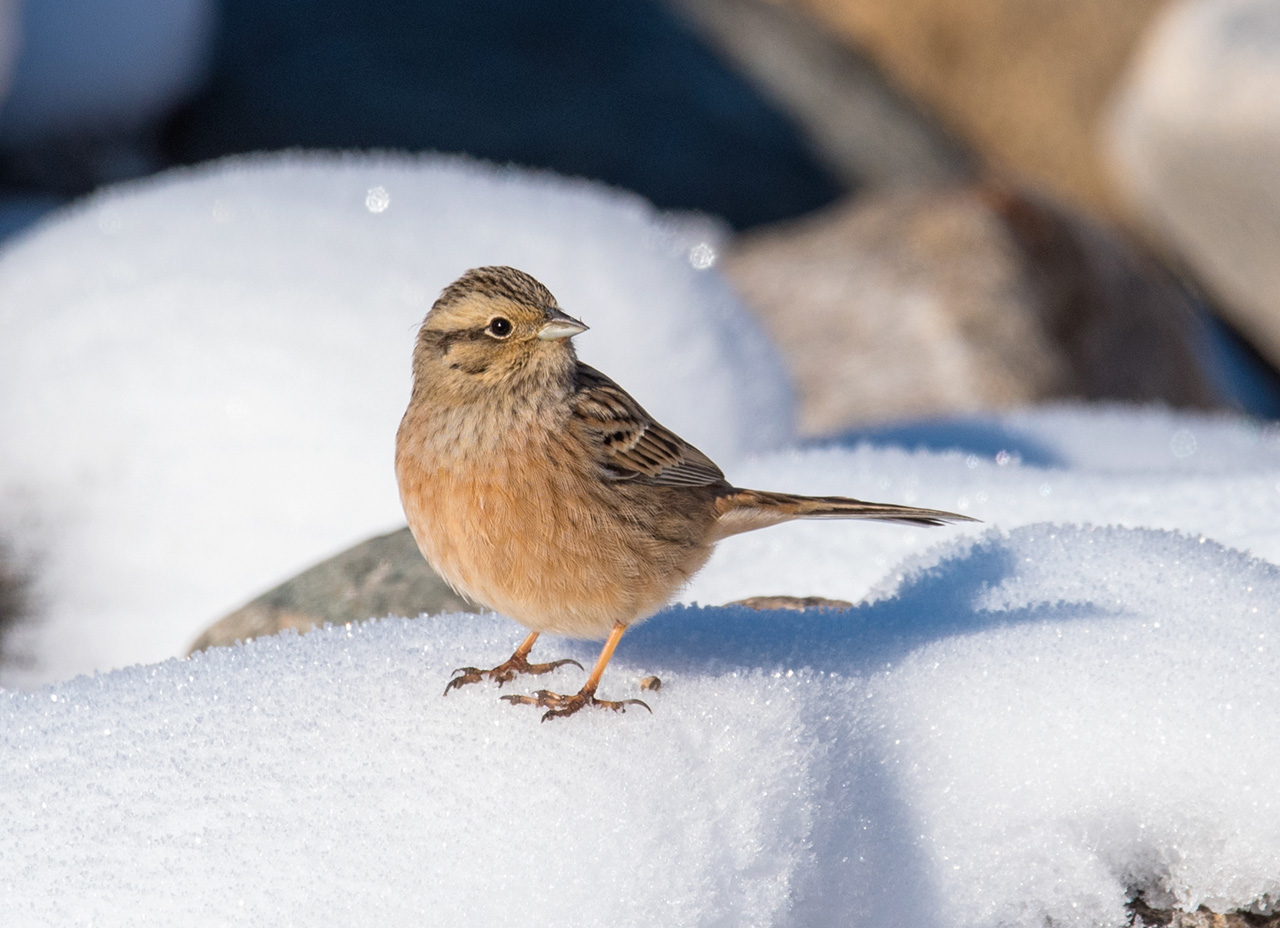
(525, 526)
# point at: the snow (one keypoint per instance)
(1105, 721)
(201, 374)
(93, 66)
(1208, 474)
(1020, 723)
(1022, 728)
(10, 39)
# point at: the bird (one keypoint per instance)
(539, 488)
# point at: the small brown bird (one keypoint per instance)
(538, 487)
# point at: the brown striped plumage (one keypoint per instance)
(538, 487)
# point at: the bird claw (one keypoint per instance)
(463, 676)
(559, 706)
(545, 668)
(505, 672)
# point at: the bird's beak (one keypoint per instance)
(560, 325)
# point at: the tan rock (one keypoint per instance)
(920, 303)
(1023, 81)
(791, 603)
(1146, 917)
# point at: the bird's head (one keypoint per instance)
(495, 325)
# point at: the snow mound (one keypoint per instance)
(1021, 730)
(1211, 475)
(10, 40)
(1106, 725)
(201, 374)
(104, 65)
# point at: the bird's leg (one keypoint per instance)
(558, 706)
(505, 672)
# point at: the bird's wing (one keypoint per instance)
(629, 444)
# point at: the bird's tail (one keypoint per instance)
(744, 510)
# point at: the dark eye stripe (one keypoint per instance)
(446, 340)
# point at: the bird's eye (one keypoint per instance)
(499, 327)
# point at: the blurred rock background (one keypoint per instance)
(939, 206)
(1026, 83)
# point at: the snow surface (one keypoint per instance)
(1022, 723)
(1020, 729)
(201, 374)
(1202, 474)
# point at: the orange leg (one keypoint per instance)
(506, 671)
(558, 706)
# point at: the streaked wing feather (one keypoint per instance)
(630, 444)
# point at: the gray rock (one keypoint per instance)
(1195, 141)
(383, 576)
(379, 577)
(866, 132)
(14, 598)
(929, 303)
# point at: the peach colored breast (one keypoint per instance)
(504, 533)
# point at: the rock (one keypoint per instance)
(1195, 140)
(791, 603)
(1143, 915)
(926, 303)
(383, 576)
(1022, 81)
(862, 127)
(14, 595)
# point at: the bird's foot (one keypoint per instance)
(505, 672)
(558, 706)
